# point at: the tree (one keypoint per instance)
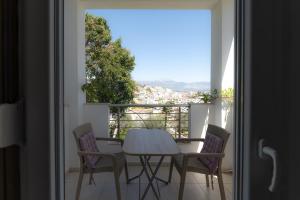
(108, 65)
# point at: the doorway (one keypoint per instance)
(75, 108)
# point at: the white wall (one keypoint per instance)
(98, 116)
(227, 43)
(224, 113)
(74, 77)
(203, 114)
(216, 46)
(228, 76)
(222, 69)
(148, 4)
(200, 116)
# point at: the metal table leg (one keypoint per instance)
(150, 184)
(157, 178)
(137, 176)
(152, 173)
(140, 174)
(150, 179)
(150, 176)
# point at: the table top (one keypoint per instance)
(150, 142)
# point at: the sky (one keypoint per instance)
(167, 44)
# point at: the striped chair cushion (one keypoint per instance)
(212, 144)
(88, 143)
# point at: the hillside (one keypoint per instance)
(178, 86)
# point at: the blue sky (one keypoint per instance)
(167, 44)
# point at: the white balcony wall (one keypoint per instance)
(224, 118)
(203, 114)
(98, 116)
(200, 116)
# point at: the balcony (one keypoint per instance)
(188, 120)
(181, 120)
(193, 118)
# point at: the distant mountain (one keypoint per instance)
(178, 86)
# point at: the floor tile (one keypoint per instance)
(195, 187)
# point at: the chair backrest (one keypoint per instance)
(215, 142)
(86, 141)
(220, 133)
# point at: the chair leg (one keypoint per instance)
(126, 172)
(221, 186)
(117, 184)
(207, 180)
(171, 170)
(182, 182)
(79, 183)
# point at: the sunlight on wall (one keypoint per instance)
(228, 76)
(203, 134)
(228, 80)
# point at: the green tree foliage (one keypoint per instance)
(208, 97)
(166, 109)
(108, 65)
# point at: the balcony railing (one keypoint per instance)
(172, 117)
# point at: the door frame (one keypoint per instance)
(57, 113)
(242, 92)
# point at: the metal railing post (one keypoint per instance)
(179, 122)
(118, 122)
(166, 117)
(189, 120)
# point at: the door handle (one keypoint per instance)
(265, 152)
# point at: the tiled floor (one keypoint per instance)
(195, 187)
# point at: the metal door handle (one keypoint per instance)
(265, 152)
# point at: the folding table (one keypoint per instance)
(146, 143)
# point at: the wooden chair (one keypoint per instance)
(193, 162)
(96, 162)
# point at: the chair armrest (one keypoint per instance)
(199, 155)
(107, 155)
(110, 139)
(184, 140)
(187, 156)
(88, 153)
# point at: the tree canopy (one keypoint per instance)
(108, 65)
